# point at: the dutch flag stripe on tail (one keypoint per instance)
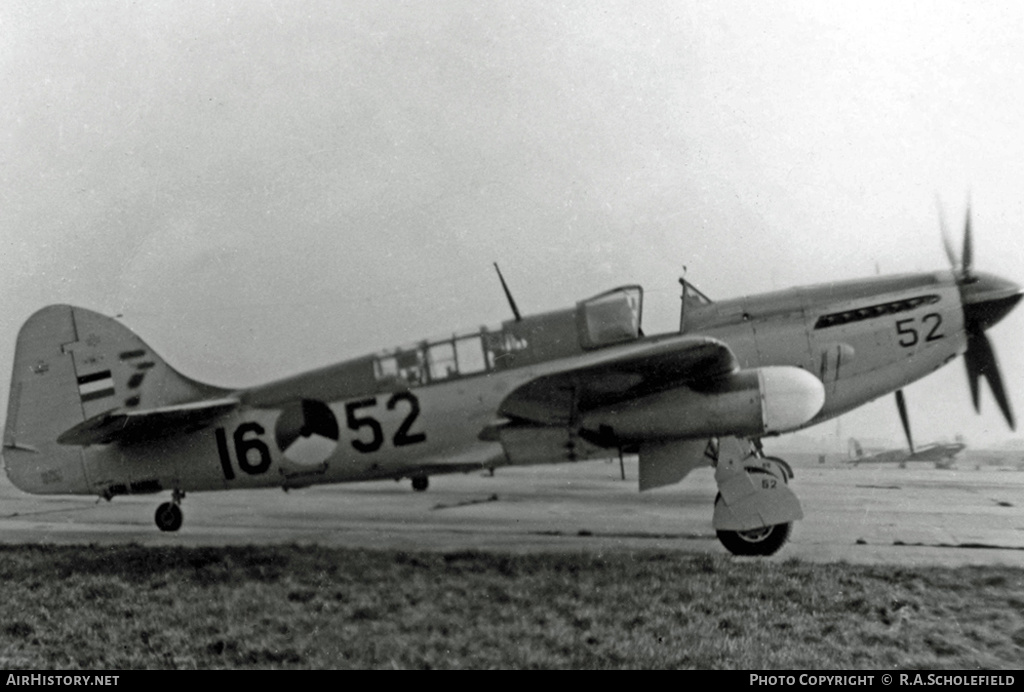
(96, 386)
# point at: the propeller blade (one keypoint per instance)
(947, 244)
(967, 257)
(986, 300)
(901, 404)
(973, 372)
(984, 363)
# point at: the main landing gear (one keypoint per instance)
(169, 516)
(420, 483)
(755, 509)
(763, 541)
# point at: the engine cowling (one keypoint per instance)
(754, 402)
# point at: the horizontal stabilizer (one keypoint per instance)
(139, 426)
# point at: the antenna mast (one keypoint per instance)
(508, 294)
(682, 301)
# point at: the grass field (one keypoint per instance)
(305, 607)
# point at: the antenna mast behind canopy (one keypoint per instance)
(508, 294)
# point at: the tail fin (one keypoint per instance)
(71, 364)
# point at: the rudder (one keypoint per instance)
(71, 364)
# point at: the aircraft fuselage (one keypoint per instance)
(422, 410)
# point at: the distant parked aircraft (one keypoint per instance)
(942, 454)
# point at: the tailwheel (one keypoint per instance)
(420, 483)
(169, 517)
(761, 541)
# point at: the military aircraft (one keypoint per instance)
(941, 454)
(93, 410)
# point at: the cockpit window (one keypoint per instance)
(692, 295)
(442, 359)
(611, 317)
(469, 354)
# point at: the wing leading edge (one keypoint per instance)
(608, 378)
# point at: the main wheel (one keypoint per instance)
(169, 517)
(420, 483)
(763, 541)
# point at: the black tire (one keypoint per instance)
(760, 542)
(169, 517)
(420, 483)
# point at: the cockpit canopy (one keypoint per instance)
(609, 318)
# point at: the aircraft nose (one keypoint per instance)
(989, 298)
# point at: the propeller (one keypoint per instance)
(986, 299)
(901, 404)
(981, 361)
(961, 267)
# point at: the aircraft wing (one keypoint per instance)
(120, 425)
(609, 377)
(936, 452)
(890, 457)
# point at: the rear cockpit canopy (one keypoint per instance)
(613, 317)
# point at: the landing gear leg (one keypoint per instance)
(755, 509)
(168, 515)
(420, 483)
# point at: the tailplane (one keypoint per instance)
(73, 365)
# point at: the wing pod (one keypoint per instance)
(789, 398)
(755, 402)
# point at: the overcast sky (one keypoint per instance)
(264, 187)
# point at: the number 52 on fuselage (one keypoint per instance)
(93, 410)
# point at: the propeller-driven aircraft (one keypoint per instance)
(941, 454)
(93, 410)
